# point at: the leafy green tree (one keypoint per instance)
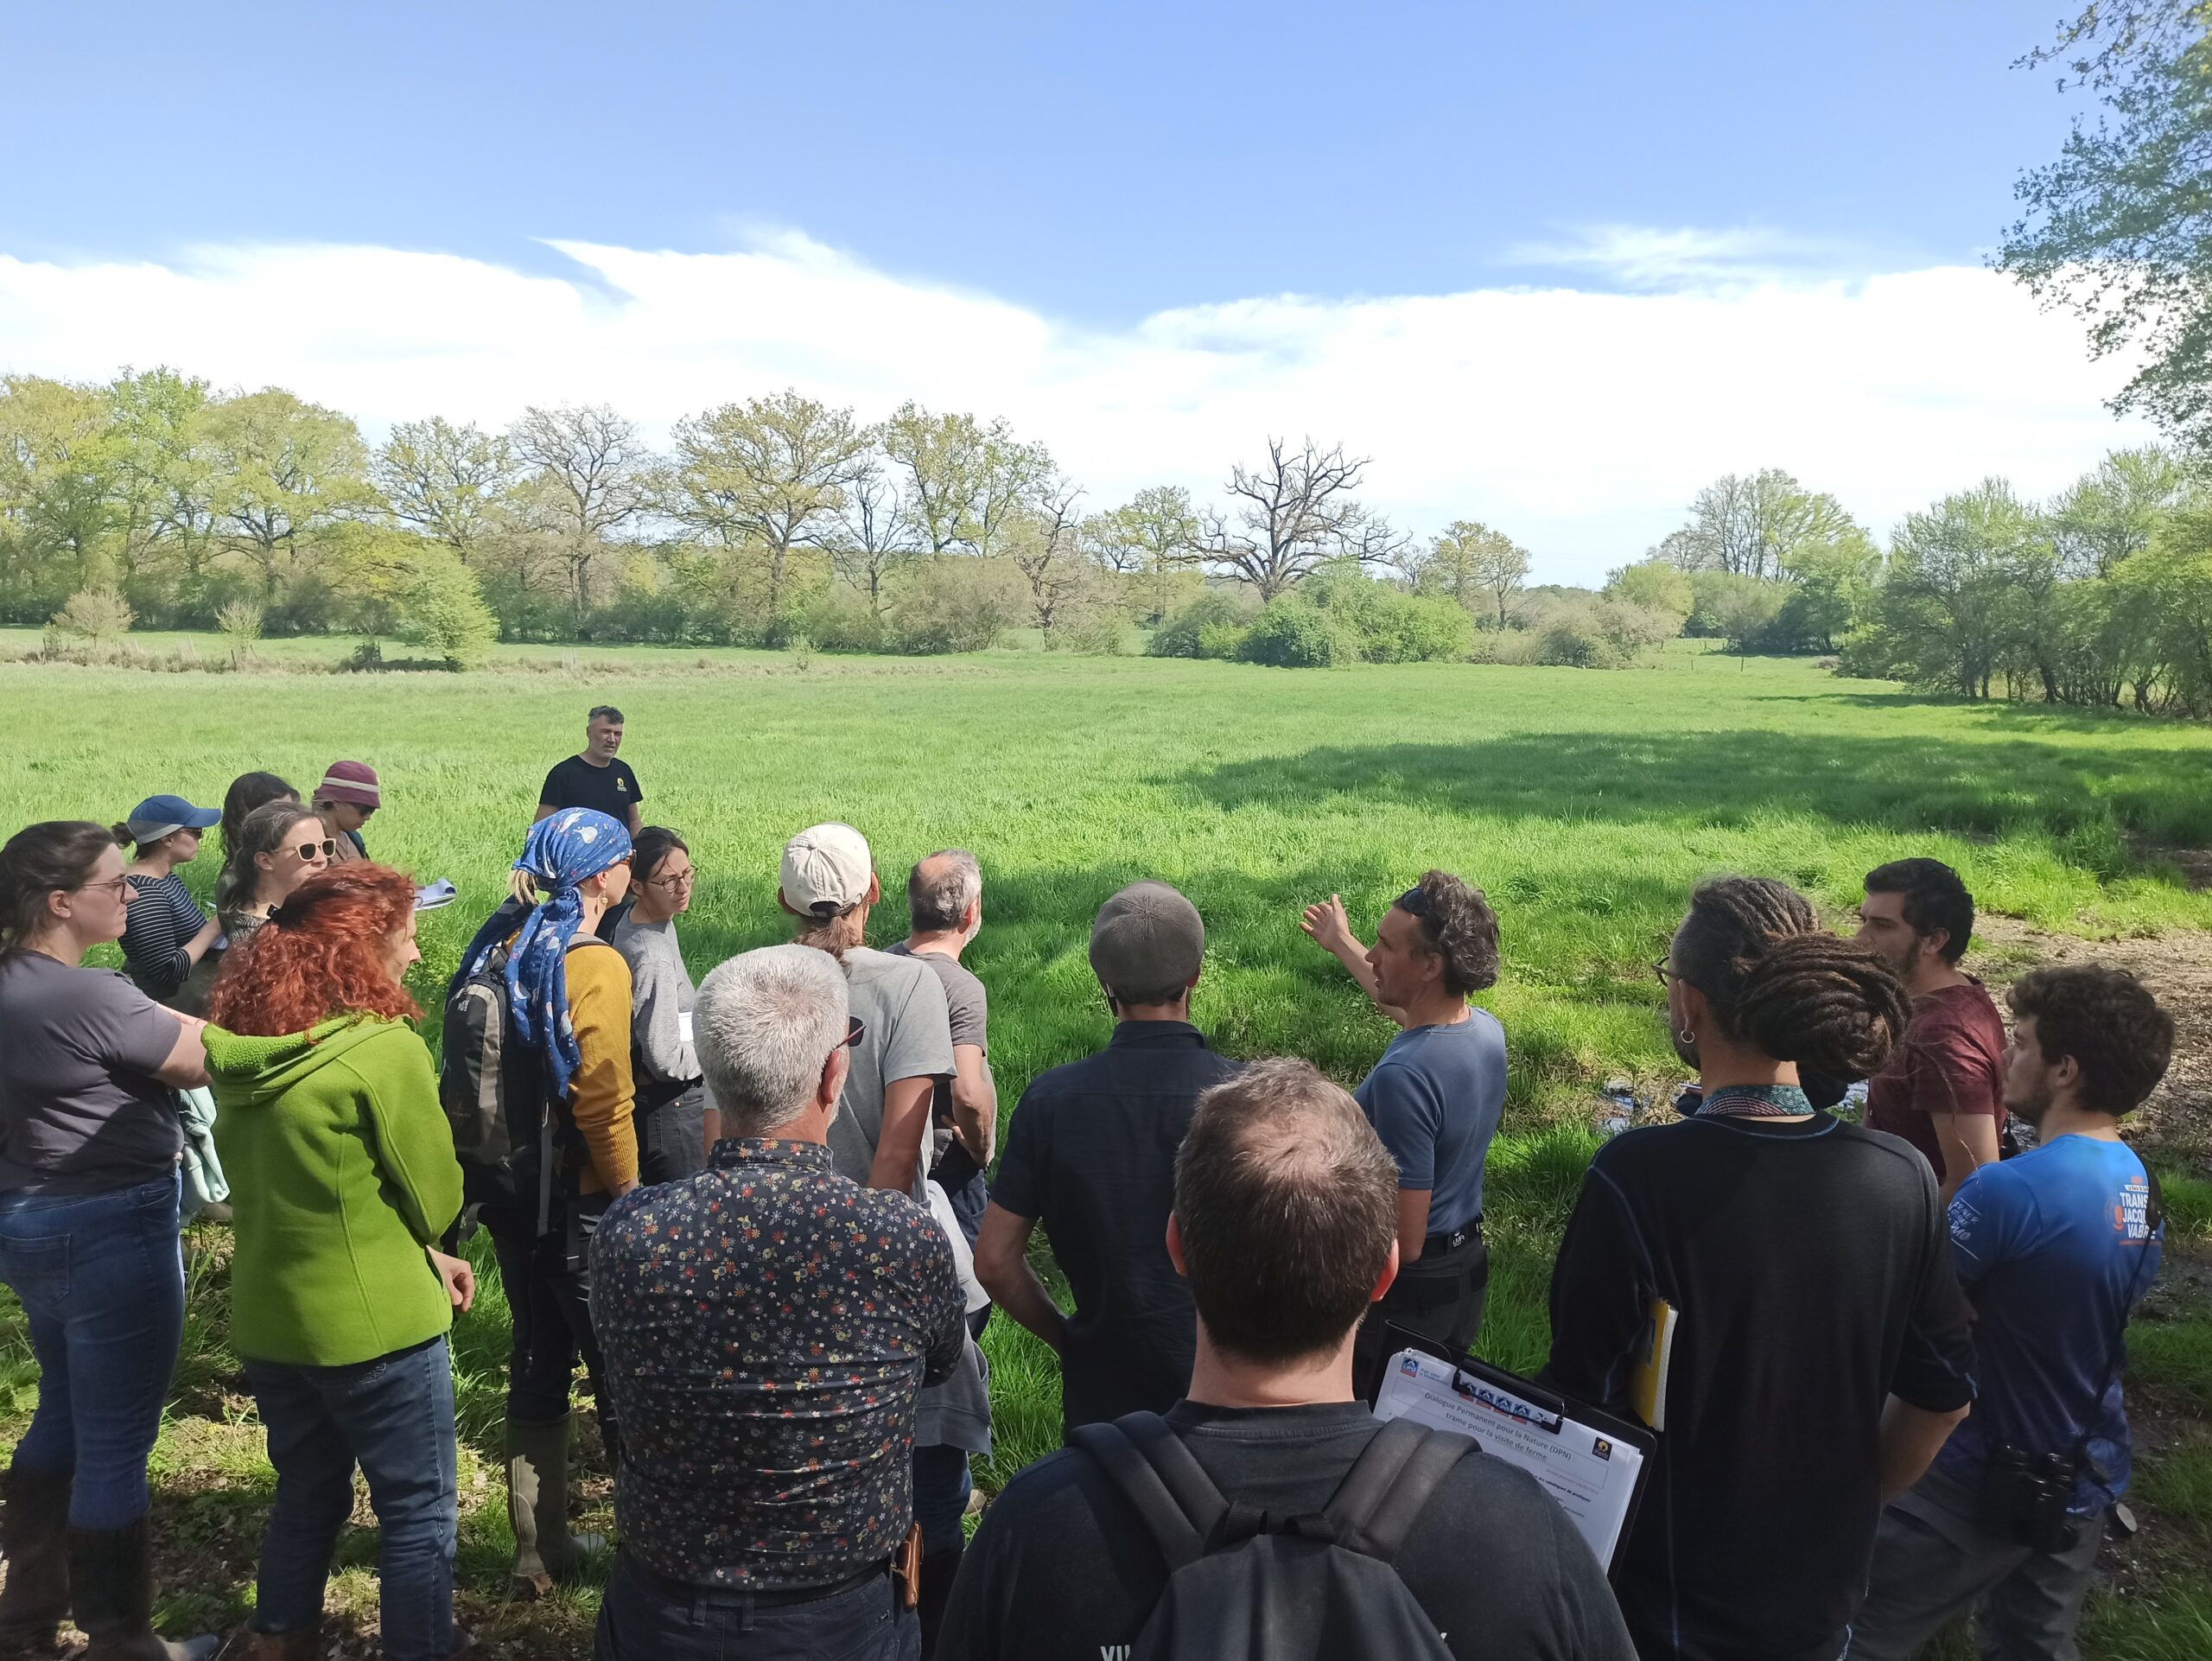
(95, 614)
(163, 488)
(1161, 529)
(766, 477)
(449, 482)
(2111, 514)
(1762, 525)
(1480, 569)
(2118, 228)
(942, 460)
(285, 471)
(441, 609)
(1657, 586)
(1953, 605)
(56, 481)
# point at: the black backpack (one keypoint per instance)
(494, 1093)
(1243, 1582)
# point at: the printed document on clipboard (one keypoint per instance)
(1591, 1463)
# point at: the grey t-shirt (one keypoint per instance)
(968, 1008)
(80, 1111)
(661, 996)
(1435, 1098)
(901, 1006)
(908, 1034)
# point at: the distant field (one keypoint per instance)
(1585, 802)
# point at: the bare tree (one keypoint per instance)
(876, 533)
(1287, 515)
(769, 473)
(590, 476)
(1045, 546)
(448, 483)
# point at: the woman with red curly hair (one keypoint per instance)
(340, 1303)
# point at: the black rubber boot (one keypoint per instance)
(34, 1534)
(111, 1591)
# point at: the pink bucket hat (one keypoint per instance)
(354, 782)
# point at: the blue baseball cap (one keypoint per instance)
(158, 816)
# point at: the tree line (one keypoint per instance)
(763, 521)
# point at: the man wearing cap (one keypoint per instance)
(345, 799)
(1090, 1154)
(880, 1137)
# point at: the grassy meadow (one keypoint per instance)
(1585, 804)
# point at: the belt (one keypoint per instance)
(671, 1590)
(1452, 1239)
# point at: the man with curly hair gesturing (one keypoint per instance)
(1434, 1098)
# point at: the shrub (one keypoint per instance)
(839, 620)
(95, 614)
(442, 610)
(1293, 633)
(1093, 631)
(953, 603)
(1181, 635)
(1411, 628)
(240, 623)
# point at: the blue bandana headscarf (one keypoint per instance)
(562, 850)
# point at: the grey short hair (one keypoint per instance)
(765, 1023)
(605, 712)
(940, 900)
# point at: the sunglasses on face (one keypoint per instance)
(855, 1031)
(307, 851)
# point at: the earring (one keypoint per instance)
(1689, 1038)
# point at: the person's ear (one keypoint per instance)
(264, 861)
(1191, 984)
(874, 888)
(1936, 941)
(1175, 1247)
(1389, 1275)
(2064, 1076)
(973, 919)
(1689, 1009)
(58, 907)
(831, 1085)
(788, 907)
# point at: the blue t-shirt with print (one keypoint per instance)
(1435, 1098)
(2055, 1248)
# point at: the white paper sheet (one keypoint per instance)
(1591, 1476)
(683, 1026)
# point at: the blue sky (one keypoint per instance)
(1671, 240)
(1100, 160)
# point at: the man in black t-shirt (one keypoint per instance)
(1285, 1220)
(593, 778)
(1090, 1154)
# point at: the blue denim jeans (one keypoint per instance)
(942, 1485)
(646, 1617)
(392, 1416)
(102, 1284)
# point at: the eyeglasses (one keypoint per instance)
(307, 851)
(115, 885)
(680, 880)
(1665, 975)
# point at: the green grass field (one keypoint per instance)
(1585, 804)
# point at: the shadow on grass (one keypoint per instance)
(1973, 786)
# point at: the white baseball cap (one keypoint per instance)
(826, 870)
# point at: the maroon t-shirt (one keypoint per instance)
(1952, 1061)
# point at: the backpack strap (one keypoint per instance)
(1376, 1506)
(1157, 1474)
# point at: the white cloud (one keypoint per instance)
(1579, 421)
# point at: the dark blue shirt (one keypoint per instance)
(2055, 1248)
(1090, 1154)
(1435, 1098)
(767, 1325)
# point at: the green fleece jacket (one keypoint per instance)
(341, 1172)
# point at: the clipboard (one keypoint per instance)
(1595, 1465)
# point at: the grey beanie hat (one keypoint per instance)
(1147, 938)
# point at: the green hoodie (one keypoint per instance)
(341, 1172)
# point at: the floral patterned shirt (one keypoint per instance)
(766, 1326)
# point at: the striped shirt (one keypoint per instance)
(156, 927)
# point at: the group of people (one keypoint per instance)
(769, 1214)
